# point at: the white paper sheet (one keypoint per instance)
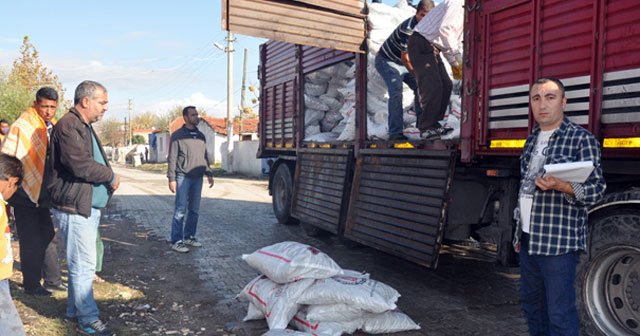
(577, 172)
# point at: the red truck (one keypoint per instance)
(407, 198)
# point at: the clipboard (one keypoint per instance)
(576, 172)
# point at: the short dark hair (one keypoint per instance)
(86, 89)
(428, 4)
(3, 121)
(551, 79)
(46, 93)
(10, 166)
(185, 110)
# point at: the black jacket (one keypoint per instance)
(74, 170)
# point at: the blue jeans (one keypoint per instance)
(10, 322)
(188, 191)
(80, 238)
(547, 294)
(394, 75)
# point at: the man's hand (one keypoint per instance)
(551, 183)
(516, 247)
(456, 68)
(172, 186)
(210, 178)
(116, 183)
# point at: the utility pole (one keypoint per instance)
(244, 88)
(129, 135)
(229, 101)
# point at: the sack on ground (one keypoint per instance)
(286, 332)
(253, 313)
(277, 302)
(289, 261)
(338, 312)
(301, 322)
(388, 322)
(358, 292)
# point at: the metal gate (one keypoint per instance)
(322, 185)
(399, 201)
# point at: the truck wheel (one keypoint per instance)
(608, 285)
(282, 193)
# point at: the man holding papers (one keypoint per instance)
(551, 217)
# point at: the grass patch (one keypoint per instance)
(45, 316)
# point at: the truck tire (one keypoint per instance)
(608, 278)
(282, 194)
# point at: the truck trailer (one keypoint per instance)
(408, 198)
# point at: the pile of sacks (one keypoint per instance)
(303, 287)
(329, 99)
(329, 94)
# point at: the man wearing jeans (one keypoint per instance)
(81, 184)
(187, 163)
(551, 217)
(395, 68)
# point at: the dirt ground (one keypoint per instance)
(146, 290)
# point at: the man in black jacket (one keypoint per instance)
(81, 184)
(187, 163)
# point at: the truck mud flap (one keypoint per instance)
(399, 200)
(322, 185)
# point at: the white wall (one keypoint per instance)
(244, 158)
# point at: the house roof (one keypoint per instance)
(219, 125)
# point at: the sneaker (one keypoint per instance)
(95, 328)
(435, 133)
(398, 137)
(57, 288)
(179, 246)
(193, 242)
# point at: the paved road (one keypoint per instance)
(466, 295)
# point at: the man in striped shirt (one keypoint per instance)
(440, 32)
(551, 217)
(389, 63)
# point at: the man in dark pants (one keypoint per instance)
(187, 163)
(438, 34)
(28, 141)
(551, 217)
(395, 68)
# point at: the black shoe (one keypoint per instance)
(38, 291)
(398, 137)
(58, 288)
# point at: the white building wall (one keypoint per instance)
(244, 158)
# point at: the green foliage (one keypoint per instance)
(138, 140)
(28, 74)
(14, 99)
(111, 132)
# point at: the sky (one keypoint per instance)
(160, 54)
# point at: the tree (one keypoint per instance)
(27, 75)
(111, 132)
(145, 120)
(138, 140)
(167, 117)
(14, 99)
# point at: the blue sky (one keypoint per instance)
(159, 53)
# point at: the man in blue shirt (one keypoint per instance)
(394, 66)
(551, 217)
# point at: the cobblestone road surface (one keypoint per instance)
(464, 296)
